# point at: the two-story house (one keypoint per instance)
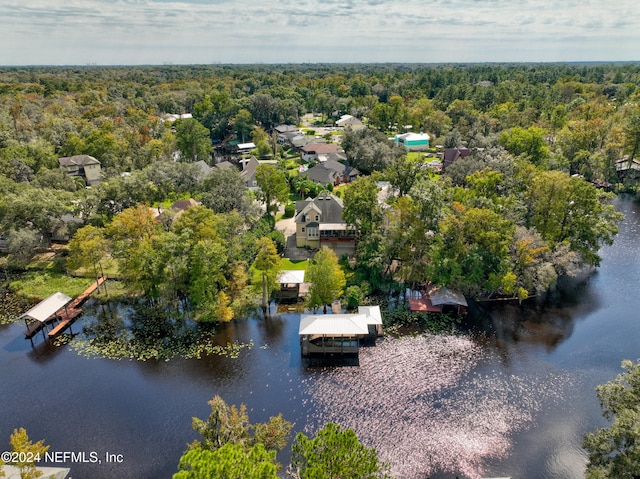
(319, 223)
(84, 166)
(350, 123)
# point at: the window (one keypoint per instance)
(302, 229)
(317, 218)
(312, 232)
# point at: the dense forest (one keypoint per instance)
(529, 205)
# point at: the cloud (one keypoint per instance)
(62, 32)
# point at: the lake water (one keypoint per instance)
(513, 399)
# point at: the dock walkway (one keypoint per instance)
(71, 312)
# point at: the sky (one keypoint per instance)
(133, 32)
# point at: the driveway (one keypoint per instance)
(288, 228)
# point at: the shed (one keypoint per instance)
(413, 141)
(436, 299)
(446, 297)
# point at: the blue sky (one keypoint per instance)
(130, 32)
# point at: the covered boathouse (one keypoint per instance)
(44, 313)
(339, 333)
(292, 286)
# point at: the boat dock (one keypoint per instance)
(56, 308)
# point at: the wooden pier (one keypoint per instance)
(70, 313)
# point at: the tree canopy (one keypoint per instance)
(326, 278)
(614, 451)
(334, 452)
(527, 127)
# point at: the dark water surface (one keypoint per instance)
(514, 401)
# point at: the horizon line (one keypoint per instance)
(173, 64)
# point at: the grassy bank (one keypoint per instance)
(37, 285)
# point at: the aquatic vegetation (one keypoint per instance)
(426, 405)
(12, 306)
(122, 348)
(143, 332)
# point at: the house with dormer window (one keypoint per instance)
(319, 223)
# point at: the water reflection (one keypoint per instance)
(547, 321)
(431, 404)
(44, 351)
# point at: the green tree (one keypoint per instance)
(192, 139)
(273, 187)
(198, 222)
(529, 142)
(429, 196)
(34, 208)
(208, 263)
(273, 435)
(361, 207)
(407, 241)
(403, 172)
(614, 451)
(230, 424)
(225, 424)
(131, 233)
(224, 190)
(22, 244)
(334, 453)
(370, 150)
(231, 461)
(87, 249)
(632, 133)
(243, 123)
(471, 250)
(564, 208)
(326, 277)
(20, 442)
(268, 263)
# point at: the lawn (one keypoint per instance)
(42, 284)
(285, 264)
(299, 264)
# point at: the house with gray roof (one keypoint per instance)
(312, 151)
(203, 167)
(319, 223)
(84, 166)
(248, 173)
(331, 172)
